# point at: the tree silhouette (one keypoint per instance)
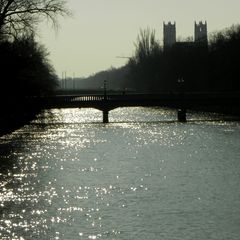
(22, 16)
(224, 59)
(202, 67)
(25, 69)
(145, 62)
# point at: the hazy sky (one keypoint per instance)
(100, 30)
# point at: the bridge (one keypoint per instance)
(222, 102)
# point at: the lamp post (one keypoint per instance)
(105, 107)
(105, 89)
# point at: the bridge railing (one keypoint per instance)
(172, 99)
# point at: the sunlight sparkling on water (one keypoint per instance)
(142, 176)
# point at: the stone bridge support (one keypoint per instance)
(105, 116)
(181, 114)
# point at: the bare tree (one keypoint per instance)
(147, 45)
(22, 16)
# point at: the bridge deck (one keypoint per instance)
(108, 102)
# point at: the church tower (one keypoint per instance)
(200, 32)
(169, 34)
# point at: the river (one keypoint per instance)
(142, 176)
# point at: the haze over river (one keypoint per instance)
(142, 176)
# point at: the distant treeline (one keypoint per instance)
(189, 66)
(186, 66)
(115, 77)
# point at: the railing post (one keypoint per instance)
(182, 115)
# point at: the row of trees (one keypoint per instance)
(25, 69)
(115, 79)
(212, 66)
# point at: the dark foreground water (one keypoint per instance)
(143, 176)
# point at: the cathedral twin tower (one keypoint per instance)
(169, 33)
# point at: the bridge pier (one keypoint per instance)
(105, 116)
(182, 115)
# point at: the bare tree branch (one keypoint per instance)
(21, 16)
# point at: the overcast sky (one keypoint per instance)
(101, 30)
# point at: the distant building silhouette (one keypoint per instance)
(200, 32)
(169, 33)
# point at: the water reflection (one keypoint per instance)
(67, 176)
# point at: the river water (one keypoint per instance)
(142, 176)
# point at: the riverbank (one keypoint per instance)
(10, 123)
(15, 113)
(228, 113)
